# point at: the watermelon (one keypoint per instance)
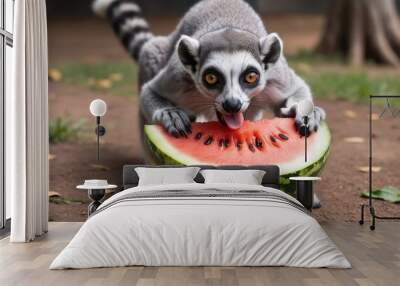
(264, 142)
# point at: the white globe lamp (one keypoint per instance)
(98, 109)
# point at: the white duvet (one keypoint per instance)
(267, 229)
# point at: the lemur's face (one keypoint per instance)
(231, 79)
(229, 69)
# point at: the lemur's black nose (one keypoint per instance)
(232, 105)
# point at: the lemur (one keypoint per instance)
(220, 63)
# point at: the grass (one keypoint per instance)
(62, 130)
(66, 201)
(341, 82)
(309, 57)
(351, 86)
(119, 78)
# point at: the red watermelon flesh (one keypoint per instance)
(265, 142)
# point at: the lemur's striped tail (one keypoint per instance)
(127, 22)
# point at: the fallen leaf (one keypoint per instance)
(100, 167)
(375, 116)
(116, 77)
(91, 81)
(52, 157)
(354, 140)
(104, 83)
(350, 114)
(374, 169)
(66, 201)
(55, 75)
(53, 194)
(387, 193)
(303, 68)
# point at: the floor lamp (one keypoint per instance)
(98, 108)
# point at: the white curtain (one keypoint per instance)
(27, 124)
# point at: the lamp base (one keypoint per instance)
(95, 195)
(304, 193)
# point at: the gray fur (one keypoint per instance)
(171, 88)
(228, 40)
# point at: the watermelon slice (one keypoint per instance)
(265, 142)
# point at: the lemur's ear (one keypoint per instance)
(271, 48)
(188, 51)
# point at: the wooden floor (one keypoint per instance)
(375, 257)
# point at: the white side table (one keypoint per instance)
(304, 190)
(96, 191)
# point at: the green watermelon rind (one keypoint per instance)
(312, 168)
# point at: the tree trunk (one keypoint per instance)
(363, 30)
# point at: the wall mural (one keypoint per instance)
(212, 95)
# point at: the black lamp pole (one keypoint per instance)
(305, 136)
(98, 137)
(100, 131)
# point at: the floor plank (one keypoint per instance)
(375, 257)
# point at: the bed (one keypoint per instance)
(198, 224)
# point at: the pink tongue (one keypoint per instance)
(234, 121)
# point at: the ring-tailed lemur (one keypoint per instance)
(219, 64)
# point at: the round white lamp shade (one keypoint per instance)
(305, 107)
(98, 107)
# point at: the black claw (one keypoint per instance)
(192, 118)
(175, 133)
(188, 129)
(186, 122)
(182, 133)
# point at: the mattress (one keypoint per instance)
(201, 225)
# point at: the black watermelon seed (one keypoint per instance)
(198, 136)
(227, 142)
(209, 140)
(259, 143)
(221, 142)
(283, 137)
(273, 139)
(239, 145)
(251, 148)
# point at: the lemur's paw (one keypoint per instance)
(176, 121)
(314, 120)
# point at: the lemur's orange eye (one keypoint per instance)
(211, 79)
(251, 77)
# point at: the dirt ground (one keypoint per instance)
(91, 40)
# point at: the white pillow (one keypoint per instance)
(166, 176)
(247, 177)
